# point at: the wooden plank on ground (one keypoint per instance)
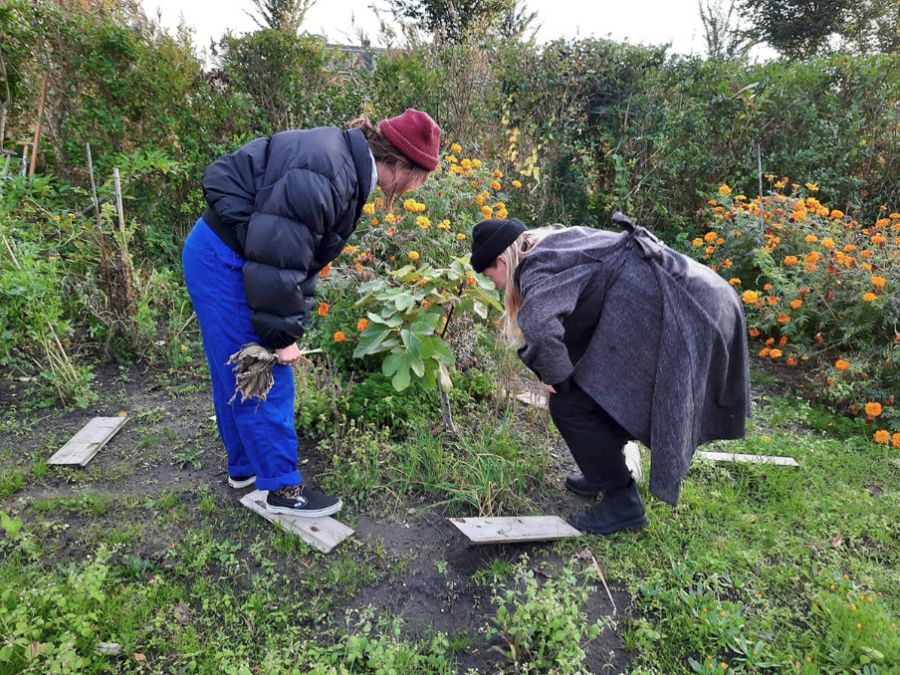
(323, 533)
(749, 459)
(81, 448)
(530, 398)
(514, 529)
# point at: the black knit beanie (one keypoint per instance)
(490, 238)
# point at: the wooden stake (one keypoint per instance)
(37, 127)
(123, 249)
(11, 254)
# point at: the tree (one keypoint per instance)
(285, 15)
(804, 28)
(724, 39)
(454, 21)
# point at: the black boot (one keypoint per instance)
(581, 486)
(620, 509)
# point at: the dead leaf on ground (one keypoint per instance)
(837, 540)
(874, 490)
(183, 614)
(137, 656)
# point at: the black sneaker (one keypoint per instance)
(302, 501)
(239, 482)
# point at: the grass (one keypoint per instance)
(760, 568)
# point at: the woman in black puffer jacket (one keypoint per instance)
(279, 210)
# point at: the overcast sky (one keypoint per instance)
(638, 21)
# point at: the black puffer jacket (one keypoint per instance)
(287, 204)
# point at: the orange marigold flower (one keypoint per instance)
(866, 254)
(750, 297)
(324, 309)
(324, 272)
(697, 243)
(734, 281)
(810, 239)
(873, 409)
(772, 300)
(339, 336)
(841, 364)
(784, 318)
(878, 282)
(768, 287)
(828, 243)
(720, 241)
(882, 436)
(837, 214)
(895, 440)
(754, 332)
(495, 185)
(791, 362)
(710, 236)
(790, 260)
(783, 341)
(879, 239)
(775, 353)
(724, 190)
(770, 341)
(362, 324)
(869, 297)
(813, 258)
(764, 352)
(796, 303)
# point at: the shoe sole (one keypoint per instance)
(631, 525)
(238, 484)
(305, 513)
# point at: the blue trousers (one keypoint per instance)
(260, 437)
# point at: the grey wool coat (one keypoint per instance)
(655, 338)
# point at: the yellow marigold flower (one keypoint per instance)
(390, 218)
(828, 243)
(775, 353)
(697, 243)
(362, 324)
(476, 163)
(486, 212)
(710, 237)
(750, 297)
(812, 187)
(451, 159)
(457, 170)
(444, 225)
(796, 303)
(461, 236)
(495, 185)
(516, 184)
(878, 282)
(423, 222)
(869, 297)
(882, 436)
(734, 281)
(339, 336)
(456, 148)
(413, 255)
(369, 209)
(724, 190)
(350, 250)
(790, 260)
(410, 205)
(502, 214)
(466, 163)
(895, 440)
(810, 239)
(879, 239)
(873, 408)
(784, 318)
(841, 364)
(837, 214)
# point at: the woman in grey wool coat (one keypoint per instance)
(632, 340)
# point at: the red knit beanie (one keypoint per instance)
(416, 135)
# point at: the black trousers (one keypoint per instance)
(594, 438)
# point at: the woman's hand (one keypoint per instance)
(288, 356)
(549, 388)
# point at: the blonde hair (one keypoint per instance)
(514, 254)
(386, 152)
